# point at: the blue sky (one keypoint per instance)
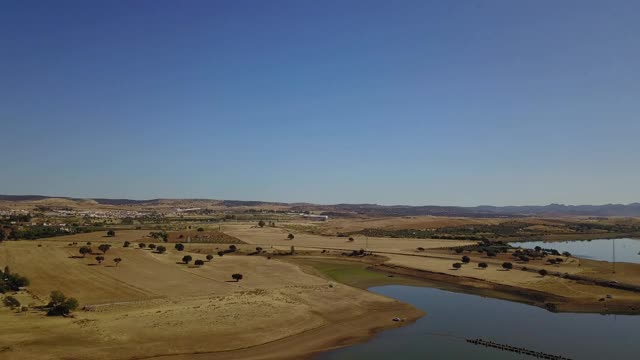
(390, 102)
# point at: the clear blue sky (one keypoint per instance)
(391, 102)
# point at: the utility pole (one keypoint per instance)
(614, 256)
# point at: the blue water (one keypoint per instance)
(452, 317)
(601, 249)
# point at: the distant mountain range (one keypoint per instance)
(632, 209)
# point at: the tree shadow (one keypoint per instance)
(93, 264)
(76, 257)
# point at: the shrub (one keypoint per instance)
(236, 277)
(152, 246)
(290, 236)
(457, 265)
(11, 302)
(142, 245)
(466, 259)
(111, 233)
(483, 265)
(126, 244)
(220, 253)
(161, 249)
(200, 229)
(261, 223)
(233, 248)
(458, 250)
(179, 247)
(209, 257)
(507, 266)
(198, 262)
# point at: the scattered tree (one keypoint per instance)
(220, 253)
(351, 239)
(186, 259)
(209, 257)
(111, 233)
(84, 251)
(258, 249)
(117, 261)
(88, 243)
(200, 229)
(236, 277)
(161, 249)
(457, 265)
(142, 245)
(60, 305)
(543, 272)
(483, 265)
(466, 259)
(261, 223)
(198, 262)
(233, 248)
(290, 236)
(126, 244)
(458, 250)
(99, 259)
(507, 266)
(179, 247)
(104, 248)
(152, 246)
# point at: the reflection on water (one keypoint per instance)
(626, 250)
(452, 317)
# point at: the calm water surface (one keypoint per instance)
(602, 249)
(452, 317)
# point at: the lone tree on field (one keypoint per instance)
(179, 247)
(290, 236)
(60, 305)
(152, 246)
(142, 245)
(99, 259)
(221, 253)
(126, 244)
(104, 248)
(117, 261)
(456, 266)
(186, 259)
(261, 223)
(483, 265)
(198, 262)
(543, 272)
(236, 277)
(161, 249)
(507, 266)
(209, 257)
(84, 251)
(111, 233)
(466, 259)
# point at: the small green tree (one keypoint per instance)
(233, 248)
(126, 244)
(290, 236)
(152, 246)
(507, 266)
(142, 245)
(261, 223)
(236, 277)
(161, 249)
(457, 265)
(117, 261)
(209, 257)
(200, 229)
(220, 253)
(186, 259)
(179, 247)
(458, 250)
(99, 259)
(111, 233)
(198, 262)
(466, 259)
(483, 265)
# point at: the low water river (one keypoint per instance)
(626, 250)
(452, 317)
